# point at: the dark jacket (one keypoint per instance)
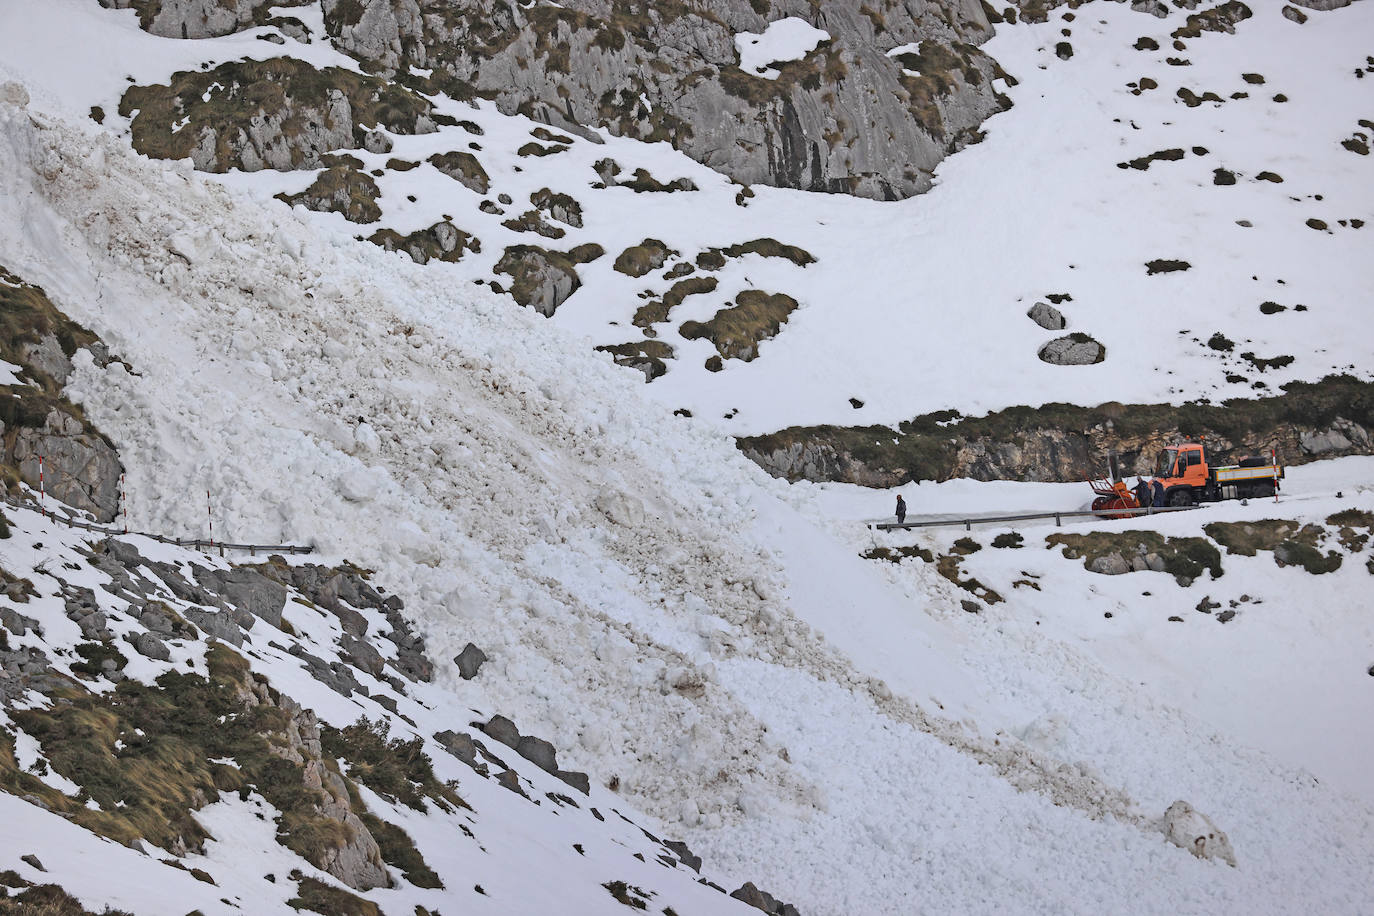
(1157, 489)
(901, 509)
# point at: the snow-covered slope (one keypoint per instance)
(906, 301)
(677, 624)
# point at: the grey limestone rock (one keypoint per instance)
(1113, 564)
(357, 861)
(847, 118)
(502, 729)
(1073, 350)
(247, 590)
(538, 752)
(462, 746)
(559, 207)
(1047, 316)
(219, 624)
(193, 18)
(469, 661)
(47, 356)
(80, 467)
(149, 645)
(362, 655)
(540, 279)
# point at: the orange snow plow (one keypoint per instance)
(1113, 495)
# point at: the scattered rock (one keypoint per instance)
(1075, 349)
(762, 900)
(1047, 316)
(469, 661)
(463, 168)
(33, 861)
(540, 279)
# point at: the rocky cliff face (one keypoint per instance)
(849, 117)
(199, 18)
(899, 84)
(1058, 442)
(80, 466)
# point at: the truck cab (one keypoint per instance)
(1182, 465)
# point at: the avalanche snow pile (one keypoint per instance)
(681, 628)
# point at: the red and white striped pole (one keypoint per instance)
(1274, 456)
(124, 503)
(210, 517)
(42, 506)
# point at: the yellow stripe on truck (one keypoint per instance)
(1229, 475)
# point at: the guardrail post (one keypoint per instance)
(1058, 522)
(968, 524)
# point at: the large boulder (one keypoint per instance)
(1073, 350)
(540, 279)
(1047, 316)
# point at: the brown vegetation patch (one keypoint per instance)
(443, 241)
(638, 260)
(645, 355)
(656, 311)
(737, 331)
(1111, 552)
(463, 168)
(211, 116)
(341, 189)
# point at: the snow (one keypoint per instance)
(9, 374)
(783, 40)
(839, 731)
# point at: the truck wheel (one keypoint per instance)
(1183, 496)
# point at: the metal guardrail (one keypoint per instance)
(1058, 517)
(195, 543)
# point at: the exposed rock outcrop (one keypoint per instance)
(441, 242)
(80, 466)
(341, 189)
(540, 279)
(671, 72)
(280, 113)
(195, 18)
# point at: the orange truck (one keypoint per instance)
(1188, 479)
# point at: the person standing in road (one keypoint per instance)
(1142, 493)
(901, 510)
